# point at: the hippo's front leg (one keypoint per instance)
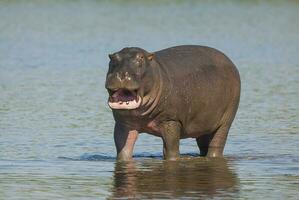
(124, 139)
(171, 132)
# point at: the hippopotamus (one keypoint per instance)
(187, 91)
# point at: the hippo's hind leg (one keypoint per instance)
(212, 145)
(203, 144)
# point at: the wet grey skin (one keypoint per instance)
(185, 91)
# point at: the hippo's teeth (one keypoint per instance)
(127, 103)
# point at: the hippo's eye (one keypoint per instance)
(139, 59)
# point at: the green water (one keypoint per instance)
(56, 129)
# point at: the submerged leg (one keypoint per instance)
(124, 139)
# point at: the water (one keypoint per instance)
(56, 129)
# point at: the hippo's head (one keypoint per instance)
(128, 78)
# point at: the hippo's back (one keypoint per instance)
(193, 56)
(198, 63)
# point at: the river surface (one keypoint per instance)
(56, 138)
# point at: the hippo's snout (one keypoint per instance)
(124, 99)
(123, 92)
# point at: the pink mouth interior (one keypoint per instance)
(123, 95)
(124, 99)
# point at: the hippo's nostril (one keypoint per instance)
(127, 76)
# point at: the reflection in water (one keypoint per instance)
(196, 177)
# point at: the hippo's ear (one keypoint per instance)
(114, 56)
(150, 56)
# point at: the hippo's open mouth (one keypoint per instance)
(124, 99)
